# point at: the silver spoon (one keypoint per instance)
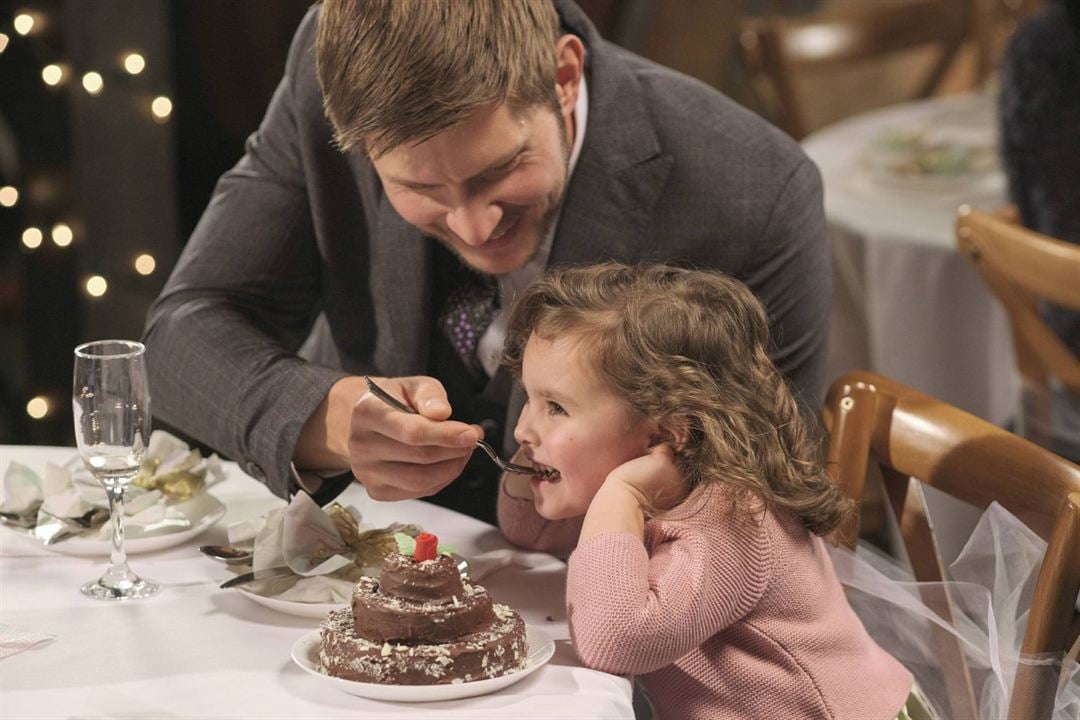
(503, 464)
(90, 519)
(19, 520)
(228, 554)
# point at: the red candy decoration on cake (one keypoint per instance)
(426, 547)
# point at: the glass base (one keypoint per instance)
(127, 590)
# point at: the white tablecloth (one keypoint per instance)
(905, 303)
(194, 651)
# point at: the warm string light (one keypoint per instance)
(134, 63)
(162, 108)
(9, 196)
(38, 407)
(96, 286)
(145, 264)
(31, 238)
(24, 23)
(93, 83)
(62, 234)
(52, 74)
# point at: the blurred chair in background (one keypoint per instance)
(1023, 267)
(880, 428)
(784, 51)
(696, 38)
(993, 23)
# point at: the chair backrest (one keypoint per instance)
(881, 427)
(1021, 267)
(993, 22)
(779, 48)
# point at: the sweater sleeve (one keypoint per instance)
(632, 613)
(522, 525)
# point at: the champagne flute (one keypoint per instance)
(111, 401)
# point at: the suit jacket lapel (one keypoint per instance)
(622, 168)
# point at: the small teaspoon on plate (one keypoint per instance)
(228, 554)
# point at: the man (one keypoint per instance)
(464, 147)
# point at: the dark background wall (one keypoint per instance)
(229, 57)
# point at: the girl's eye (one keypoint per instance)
(555, 408)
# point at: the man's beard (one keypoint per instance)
(547, 220)
(551, 215)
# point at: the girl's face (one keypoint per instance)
(575, 424)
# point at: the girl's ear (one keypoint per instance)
(672, 431)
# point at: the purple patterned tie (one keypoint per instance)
(468, 311)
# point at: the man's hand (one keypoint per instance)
(395, 455)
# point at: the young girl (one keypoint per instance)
(699, 564)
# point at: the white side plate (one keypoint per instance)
(293, 607)
(87, 547)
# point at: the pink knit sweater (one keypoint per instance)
(720, 617)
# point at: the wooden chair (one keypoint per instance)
(880, 426)
(780, 48)
(993, 22)
(1021, 267)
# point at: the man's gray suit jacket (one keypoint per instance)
(670, 170)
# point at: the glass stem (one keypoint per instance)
(118, 569)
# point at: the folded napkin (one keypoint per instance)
(327, 550)
(15, 640)
(167, 492)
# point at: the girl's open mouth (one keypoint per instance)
(546, 472)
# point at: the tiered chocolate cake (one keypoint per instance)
(421, 624)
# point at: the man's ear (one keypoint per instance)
(569, 69)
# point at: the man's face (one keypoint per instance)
(489, 188)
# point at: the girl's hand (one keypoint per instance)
(653, 479)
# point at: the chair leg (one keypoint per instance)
(926, 563)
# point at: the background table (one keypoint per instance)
(194, 651)
(905, 303)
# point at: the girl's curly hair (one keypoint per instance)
(688, 349)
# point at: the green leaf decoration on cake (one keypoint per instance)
(407, 545)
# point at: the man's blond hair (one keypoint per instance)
(396, 71)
